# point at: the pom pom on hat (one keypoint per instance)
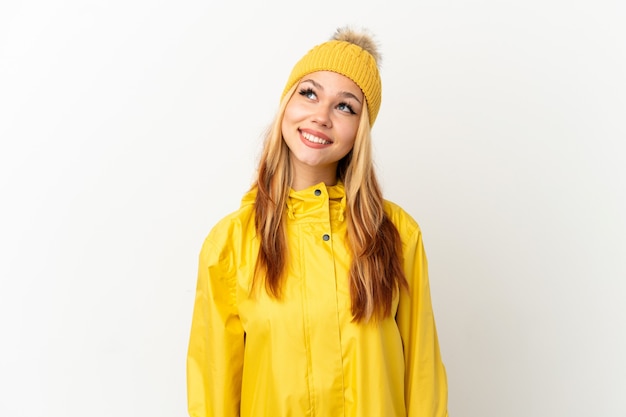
(350, 53)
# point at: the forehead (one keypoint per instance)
(333, 82)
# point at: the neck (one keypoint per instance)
(305, 176)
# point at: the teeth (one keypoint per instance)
(315, 139)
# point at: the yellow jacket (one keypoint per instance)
(302, 355)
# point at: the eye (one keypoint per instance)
(345, 107)
(308, 93)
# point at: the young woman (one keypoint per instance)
(313, 297)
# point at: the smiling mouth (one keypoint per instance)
(315, 139)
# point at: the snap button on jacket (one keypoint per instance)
(251, 355)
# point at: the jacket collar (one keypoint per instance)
(331, 201)
(319, 200)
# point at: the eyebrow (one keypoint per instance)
(341, 93)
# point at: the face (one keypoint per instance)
(321, 120)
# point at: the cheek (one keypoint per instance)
(349, 134)
(347, 147)
(287, 119)
(291, 118)
(293, 112)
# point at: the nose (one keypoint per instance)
(322, 116)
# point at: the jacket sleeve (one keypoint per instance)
(426, 390)
(216, 344)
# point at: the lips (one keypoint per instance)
(315, 138)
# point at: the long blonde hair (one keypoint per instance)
(376, 271)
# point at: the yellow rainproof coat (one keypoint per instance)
(302, 355)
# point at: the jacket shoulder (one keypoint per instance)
(232, 230)
(226, 244)
(233, 224)
(407, 226)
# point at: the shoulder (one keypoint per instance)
(234, 228)
(407, 226)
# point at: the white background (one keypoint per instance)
(128, 128)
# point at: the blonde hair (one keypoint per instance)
(376, 271)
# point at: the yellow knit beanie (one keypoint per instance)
(348, 53)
